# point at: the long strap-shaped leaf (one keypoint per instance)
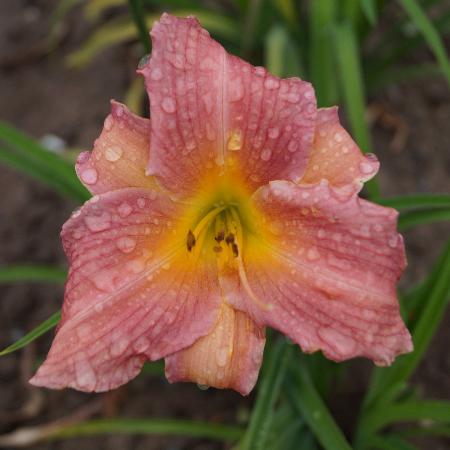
(424, 24)
(26, 273)
(387, 382)
(407, 411)
(45, 326)
(24, 154)
(268, 392)
(307, 401)
(352, 86)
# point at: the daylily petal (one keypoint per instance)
(120, 154)
(212, 113)
(324, 272)
(336, 157)
(131, 295)
(230, 356)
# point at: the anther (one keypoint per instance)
(220, 236)
(217, 248)
(235, 249)
(190, 240)
(230, 238)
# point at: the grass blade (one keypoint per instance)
(352, 87)
(26, 155)
(308, 402)
(406, 412)
(416, 201)
(268, 392)
(429, 32)
(41, 329)
(411, 219)
(26, 273)
(369, 9)
(322, 16)
(387, 382)
(152, 426)
(137, 13)
(281, 57)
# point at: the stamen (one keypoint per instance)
(207, 220)
(220, 236)
(190, 240)
(230, 238)
(241, 269)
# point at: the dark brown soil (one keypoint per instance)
(40, 95)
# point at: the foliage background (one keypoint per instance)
(61, 62)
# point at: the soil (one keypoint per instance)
(41, 95)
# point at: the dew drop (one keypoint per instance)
(141, 345)
(108, 123)
(274, 133)
(124, 209)
(321, 233)
(338, 137)
(393, 241)
(312, 254)
(266, 154)
(119, 346)
(84, 374)
(143, 61)
(235, 141)
(126, 244)
(98, 223)
(89, 176)
(271, 83)
(222, 356)
(141, 202)
(203, 387)
(113, 153)
(292, 146)
(365, 167)
(293, 97)
(168, 105)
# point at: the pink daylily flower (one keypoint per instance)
(234, 208)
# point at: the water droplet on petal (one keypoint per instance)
(202, 387)
(293, 97)
(141, 344)
(266, 154)
(313, 254)
(321, 233)
(98, 223)
(274, 133)
(84, 373)
(89, 176)
(126, 244)
(271, 83)
(141, 202)
(393, 241)
(222, 356)
(168, 105)
(143, 61)
(366, 167)
(108, 123)
(338, 137)
(119, 346)
(113, 153)
(235, 141)
(292, 146)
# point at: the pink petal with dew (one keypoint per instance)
(336, 157)
(131, 294)
(327, 273)
(120, 154)
(213, 112)
(230, 356)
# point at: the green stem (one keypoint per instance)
(137, 13)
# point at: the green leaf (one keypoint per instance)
(268, 391)
(387, 382)
(322, 16)
(416, 201)
(411, 219)
(306, 399)
(350, 75)
(389, 442)
(281, 57)
(41, 329)
(408, 411)
(26, 273)
(369, 9)
(137, 13)
(26, 155)
(431, 35)
(138, 426)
